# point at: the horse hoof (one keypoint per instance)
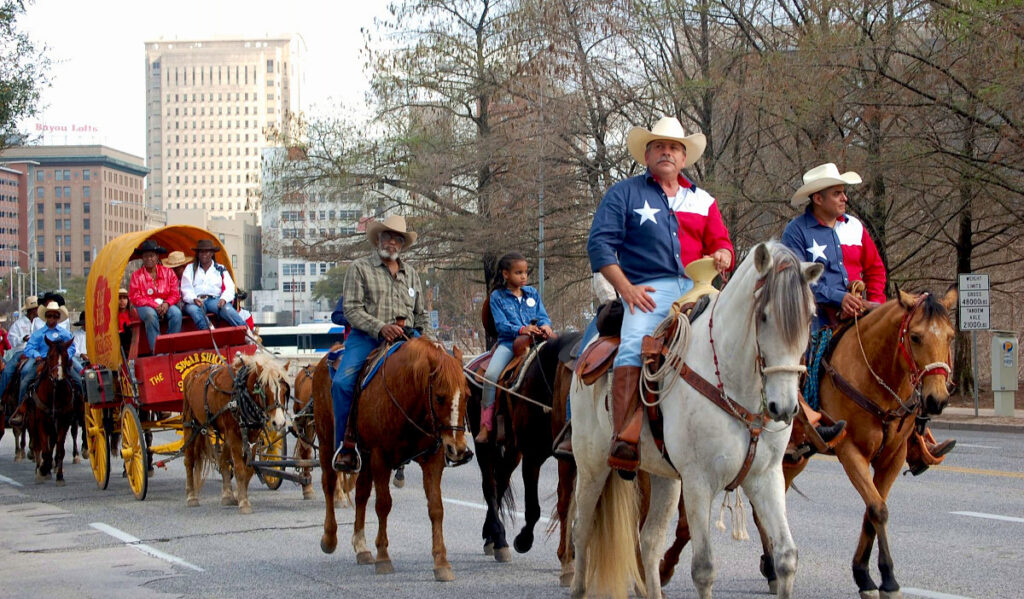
(328, 546)
(502, 555)
(773, 587)
(444, 574)
(192, 502)
(523, 543)
(40, 479)
(77, 460)
(384, 567)
(872, 594)
(364, 557)
(488, 548)
(565, 579)
(61, 482)
(228, 501)
(897, 594)
(307, 494)
(245, 509)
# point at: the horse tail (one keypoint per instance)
(611, 549)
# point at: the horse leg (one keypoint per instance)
(329, 481)
(698, 513)
(885, 476)
(566, 481)
(192, 471)
(62, 434)
(364, 484)
(305, 451)
(75, 457)
(858, 470)
(227, 494)
(767, 494)
(492, 532)
(381, 478)
(243, 472)
(767, 565)
(432, 470)
(671, 558)
(531, 474)
(664, 497)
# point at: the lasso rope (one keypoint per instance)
(666, 376)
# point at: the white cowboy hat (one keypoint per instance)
(394, 223)
(666, 128)
(30, 302)
(821, 177)
(55, 307)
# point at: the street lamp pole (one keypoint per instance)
(60, 269)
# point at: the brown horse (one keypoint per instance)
(303, 422)
(412, 410)
(527, 439)
(887, 370)
(51, 410)
(237, 402)
(7, 406)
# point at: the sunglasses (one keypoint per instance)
(387, 236)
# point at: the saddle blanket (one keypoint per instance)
(380, 360)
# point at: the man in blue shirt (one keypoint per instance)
(636, 243)
(36, 350)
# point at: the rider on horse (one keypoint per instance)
(36, 350)
(380, 291)
(826, 233)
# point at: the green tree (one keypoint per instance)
(24, 71)
(329, 287)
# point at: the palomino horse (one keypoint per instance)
(412, 409)
(749, 344)
(51, 410)
(304, 425)
(237, 402)
(528, 438)
(906, 342)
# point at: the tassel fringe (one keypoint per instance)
(737, 514)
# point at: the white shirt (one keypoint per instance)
(21, 328)
(209, 282)
(79, 342)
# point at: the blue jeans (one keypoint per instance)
(637, 324)
(149, 317)
(210, 304)
(28, 375)
(499, 360)
(9, 368)
(357, 347)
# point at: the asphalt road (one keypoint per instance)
(956, 531)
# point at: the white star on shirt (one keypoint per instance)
(647, 213)
(817, 251)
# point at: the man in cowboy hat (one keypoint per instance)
(646, 229)
(153, 290)
(22, 328)
(206, 286)
(824, 232)
(379, 290)
(36, 350)
(46, 298)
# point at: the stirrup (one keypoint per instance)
(341, 464)
(831, 434)
(562, 447)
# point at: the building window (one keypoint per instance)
(297, 287)
(85, 206)
(67, 192)
(85, 224)
(67, 175)
(57, 175)
(60, 224)
(86, 192)
(40, 193)
(85, 174)
(39, 175)
(67, 226)
(288, 270)
(67, 240)
(58, 192)
(86, 240)
(40, 242)
(40, 224)
(60, 209)
(41, 257)
(86, 255)
(270, 66)
(40, 209)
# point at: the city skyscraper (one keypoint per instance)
(211, 106)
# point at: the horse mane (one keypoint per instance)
(932, 308)
(269, 370)
(785, 289)
(446, 368)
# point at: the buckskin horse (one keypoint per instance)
(531, 422)
(51, 410)
(236, 402)
(413, 409)
(303, 421)
(727, 424)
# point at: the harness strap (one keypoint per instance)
(859, 398)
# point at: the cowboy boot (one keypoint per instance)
(486, 424)
(347, 459)
(810, 436)
(627, 421)
(562, 447)
(923, 452)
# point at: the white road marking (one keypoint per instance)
(989, 516)
(10, 481)
(136, 543)
(973, 446)
(930, 594)
(482, 506)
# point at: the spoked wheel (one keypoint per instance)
(99, 455)
(133, 451)
(273, 446)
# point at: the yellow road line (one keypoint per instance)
(958, 469)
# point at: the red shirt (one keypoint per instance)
(124, 318)
(701, 229)
(861, 257)
(143, 290)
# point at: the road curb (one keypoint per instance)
(988, 427)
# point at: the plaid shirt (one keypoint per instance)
(373, 298)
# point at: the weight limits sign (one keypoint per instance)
(973, 290)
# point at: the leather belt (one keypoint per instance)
(204, 297)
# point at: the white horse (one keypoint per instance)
(757, 327)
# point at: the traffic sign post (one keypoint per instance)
(973, 294)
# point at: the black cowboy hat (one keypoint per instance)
(52, 296)
(81, 320)
(241, 294)
(149, 246)
(206, 245)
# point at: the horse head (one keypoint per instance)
(925, 342)
(268, 384)
(449, 393)
(57, 365)
(782, 311)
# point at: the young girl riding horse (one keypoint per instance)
(517, 310)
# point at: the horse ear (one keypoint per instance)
(457, 353)
(950, 299)
(762, 259)
(286, 365)
(811, 271)
(907, 300)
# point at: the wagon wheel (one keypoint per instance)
(133, 451)
(99, 455)
(273, 446)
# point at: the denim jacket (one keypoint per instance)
(511, 313)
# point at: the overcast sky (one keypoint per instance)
(99, 55)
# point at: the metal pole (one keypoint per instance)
(974, 368)
(60, 269)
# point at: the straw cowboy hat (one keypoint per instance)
(175, 259)
(122, 291)
(148, 246)
(30, 302)
(667, 128)
(819, 178)
(55, 307)
(394, 223)
(206, 245)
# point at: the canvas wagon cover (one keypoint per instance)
(108, 270)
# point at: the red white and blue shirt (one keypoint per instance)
(650, 235)
(846, 251)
